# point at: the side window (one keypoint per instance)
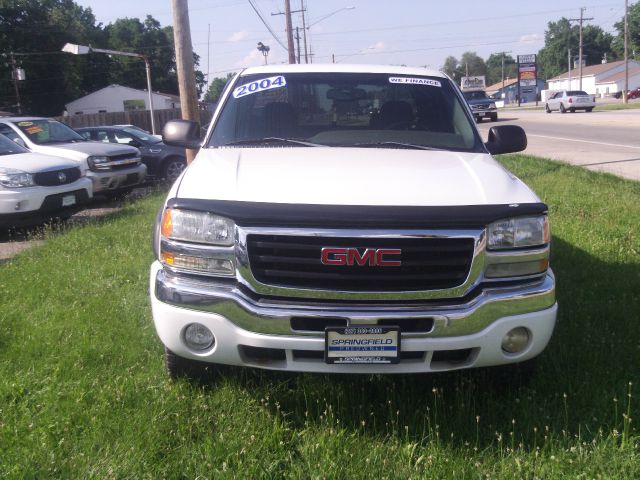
(102, 136)
(123, 137)
(7, 131)
(86, 135)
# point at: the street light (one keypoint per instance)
(264, 49)
(84, 49)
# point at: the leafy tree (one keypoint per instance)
(472, 64)
(216, 87)
(452, 68)
(36, 30)
(494, 68)
(561, 36)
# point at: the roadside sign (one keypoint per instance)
(527, 74)
(477, 81)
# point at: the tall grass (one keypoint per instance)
(83, 392)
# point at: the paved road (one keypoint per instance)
(603, 140)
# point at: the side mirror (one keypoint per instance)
(135, 143)
(506, 139)
(182, 133)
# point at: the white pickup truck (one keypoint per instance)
(349, 219)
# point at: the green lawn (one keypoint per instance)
(83, 392)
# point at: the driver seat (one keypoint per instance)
(395, 112)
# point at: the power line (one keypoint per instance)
(266, 24)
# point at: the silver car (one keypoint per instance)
(570, 100)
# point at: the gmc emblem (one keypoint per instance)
(373, 257)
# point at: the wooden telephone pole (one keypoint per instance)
(184, 65)
(580, 20)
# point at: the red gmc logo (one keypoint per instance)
(373, 257)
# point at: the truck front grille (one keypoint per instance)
(57, 177)
(295, 262)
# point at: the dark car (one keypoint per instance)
(481, 105)
(162, 161)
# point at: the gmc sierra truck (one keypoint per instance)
(349, 219)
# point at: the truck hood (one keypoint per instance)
(79, 151)
(35, 162)
(351, 176)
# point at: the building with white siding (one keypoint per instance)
(603, 79)
(117, 98)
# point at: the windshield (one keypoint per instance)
(345, 109)
(45, 132)
(141, 135)
(475, 95)
(9, 147)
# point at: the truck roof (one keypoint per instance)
(340, 68)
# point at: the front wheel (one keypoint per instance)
(546, 108)
(179, 367)
(172, 169)
(589, 109)
(562, 109)
(494, 118)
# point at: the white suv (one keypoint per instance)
(35, 187)
(349, 219)
(114, 169)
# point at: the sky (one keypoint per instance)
(418, 33)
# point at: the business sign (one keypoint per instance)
(477, 81)
(527, 70)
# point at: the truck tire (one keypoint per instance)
(179, 367)
(494, 118)
(590, 109)
(172, 168)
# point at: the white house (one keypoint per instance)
(117, 98)
(602, 79)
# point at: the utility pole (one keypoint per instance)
(298, 42)
(16, 78)
(304, 32)
(581, 19)
(503, 54)
(287, 14)
(569, 60)
(184, 65)
(626, 52)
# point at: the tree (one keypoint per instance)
(452, 67)
(561, 36)
(216, 87)
(472, 64)
(494, 68)
(36, 30)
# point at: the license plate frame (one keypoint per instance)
(68, 200)
(362, 344)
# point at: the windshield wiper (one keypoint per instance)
(268, 140)
(393, 145)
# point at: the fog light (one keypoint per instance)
(515, 340)
(198, 337)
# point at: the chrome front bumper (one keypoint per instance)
(274, 317)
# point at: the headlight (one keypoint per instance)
(197, 227)
(12, 178)
(98, 163)
(197, 242)
(518, 232)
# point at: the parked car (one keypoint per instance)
(631, 94)
(36, 187)
(162, 161)
(570, 100)
(114, 169)
(481, 105)
(306, 236)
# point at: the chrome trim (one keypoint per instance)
(227, 300)
(493, 257)
(245, 276)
